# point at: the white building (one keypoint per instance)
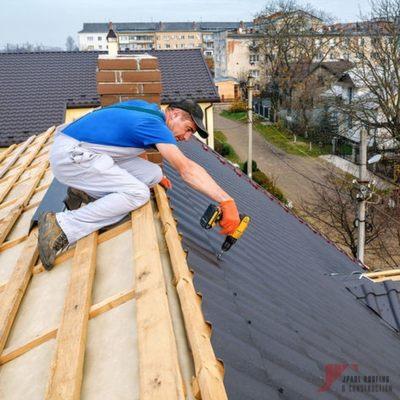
(156, 35)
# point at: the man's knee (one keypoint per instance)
(138, 196)
(155, 175)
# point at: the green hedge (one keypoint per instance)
(227, 151)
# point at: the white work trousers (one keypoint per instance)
(115, 176)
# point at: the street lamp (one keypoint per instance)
(250, 86)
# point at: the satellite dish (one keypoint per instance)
(374, 159)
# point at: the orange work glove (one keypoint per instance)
(230, 217)
(166, 183)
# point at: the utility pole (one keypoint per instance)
(250, 81)
(363, 195)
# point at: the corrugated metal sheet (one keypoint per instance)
(279, 313)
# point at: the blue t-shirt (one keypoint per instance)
(122, 127)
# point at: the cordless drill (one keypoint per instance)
(213, 215)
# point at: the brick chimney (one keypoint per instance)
(123, 77)
(127, 76)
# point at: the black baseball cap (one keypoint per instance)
(195, 112)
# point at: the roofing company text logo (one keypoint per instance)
(356, 382)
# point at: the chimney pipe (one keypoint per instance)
(112, 41)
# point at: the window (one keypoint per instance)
(99, 38)
(90, 38)
(182, 45)
(182, 37)
(350, 94)
(167, 46)
(177, 46)
(191, 37)
(100, 46)
(255, 73)
(254, 58)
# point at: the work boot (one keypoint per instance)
(51, 239)
(76, 197)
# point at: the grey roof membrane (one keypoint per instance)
(277, 301)
(99, 27)
(37, 87)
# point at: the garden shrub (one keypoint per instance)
(238, 106)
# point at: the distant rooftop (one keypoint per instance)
(37, 87)
(95, 27)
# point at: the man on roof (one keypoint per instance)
(97, 156)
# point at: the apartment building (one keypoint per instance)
(156, 35)
(237, 55)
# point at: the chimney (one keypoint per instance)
(128, 76)
(112, 41)
(123, 77)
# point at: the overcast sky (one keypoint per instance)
(49, 22)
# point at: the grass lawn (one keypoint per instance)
(285, 142)
(280, 139)
(236, 116)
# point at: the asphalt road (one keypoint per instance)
(293, 174)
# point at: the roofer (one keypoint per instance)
(97, 157)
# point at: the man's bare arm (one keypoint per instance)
(192, 173)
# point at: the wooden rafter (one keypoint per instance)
(67, 367)
(209, 371)
(11, 296)
(159, 373)
(8, 222)
(108, 304)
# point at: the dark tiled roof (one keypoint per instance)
(383, 298)
(36, 87)
(277, 302)
(337, 68)
(164, 26)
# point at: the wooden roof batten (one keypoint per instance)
(162, 374)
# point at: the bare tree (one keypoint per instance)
(387, 246)
(293, 39)
(334, 210)
(70, 44)
(374, 45)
